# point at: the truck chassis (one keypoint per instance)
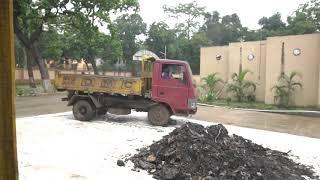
(86, 106)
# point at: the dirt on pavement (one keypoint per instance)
(298, 125)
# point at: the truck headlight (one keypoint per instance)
(192, 103)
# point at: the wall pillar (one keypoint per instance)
(319, 87)
(8, 151)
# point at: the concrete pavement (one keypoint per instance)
(298, 125)
(292, 124)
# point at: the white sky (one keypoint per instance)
(249, 11)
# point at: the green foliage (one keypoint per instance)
(306, 18)
(24, 90)
(60, 30)
(129, 27)
(222, 30)
(159, 36)
(211, 83)
(241, 88)
(51, 44)
(72, 27)
(284, 90)
(184, 41)
(272, 23)
(192, 13)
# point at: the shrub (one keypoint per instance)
(284, 90)
(241, 88)
(210, 86)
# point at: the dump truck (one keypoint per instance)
(160, 87)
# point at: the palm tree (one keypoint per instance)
(241, 87)
(285, 88)
(211, 82)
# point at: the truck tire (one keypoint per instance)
(159, 115)
(83, 110)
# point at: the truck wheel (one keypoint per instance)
(83, 110)
(159, 115)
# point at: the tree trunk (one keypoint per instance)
(87, 65)
(94, 67)
(93, 62)
(32, 83)
(43, 69)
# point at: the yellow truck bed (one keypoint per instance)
(102, 84)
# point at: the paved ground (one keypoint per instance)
(31, 106)
(299, 125)
(55, 146)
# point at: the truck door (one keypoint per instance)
(173, 86)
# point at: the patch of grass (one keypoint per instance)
(25, 90)
(257, 105)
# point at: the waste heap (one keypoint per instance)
(196, 152)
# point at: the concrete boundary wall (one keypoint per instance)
(264, 60)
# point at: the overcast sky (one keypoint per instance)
(249, 11)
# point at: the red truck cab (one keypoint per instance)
(172, 84)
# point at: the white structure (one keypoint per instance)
(138, 56)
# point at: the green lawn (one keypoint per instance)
(25, 90)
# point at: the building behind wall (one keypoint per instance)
(263, 59)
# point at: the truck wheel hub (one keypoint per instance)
(83, 110)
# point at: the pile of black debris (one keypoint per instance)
(196, 152)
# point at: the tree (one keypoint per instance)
(30, 17)
(285, 88)
(194, 45)
(188, 40)
(19, 54)
(272, 23)
(306, 18)
(210, 84)
(111, 48)
(84, 20)
(51, 44)
(33, 17)
(241, 88)
(222, 30)
(193, 14)
(129, 28)
(159, 36)
(95, 45)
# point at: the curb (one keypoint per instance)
(292, 112)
